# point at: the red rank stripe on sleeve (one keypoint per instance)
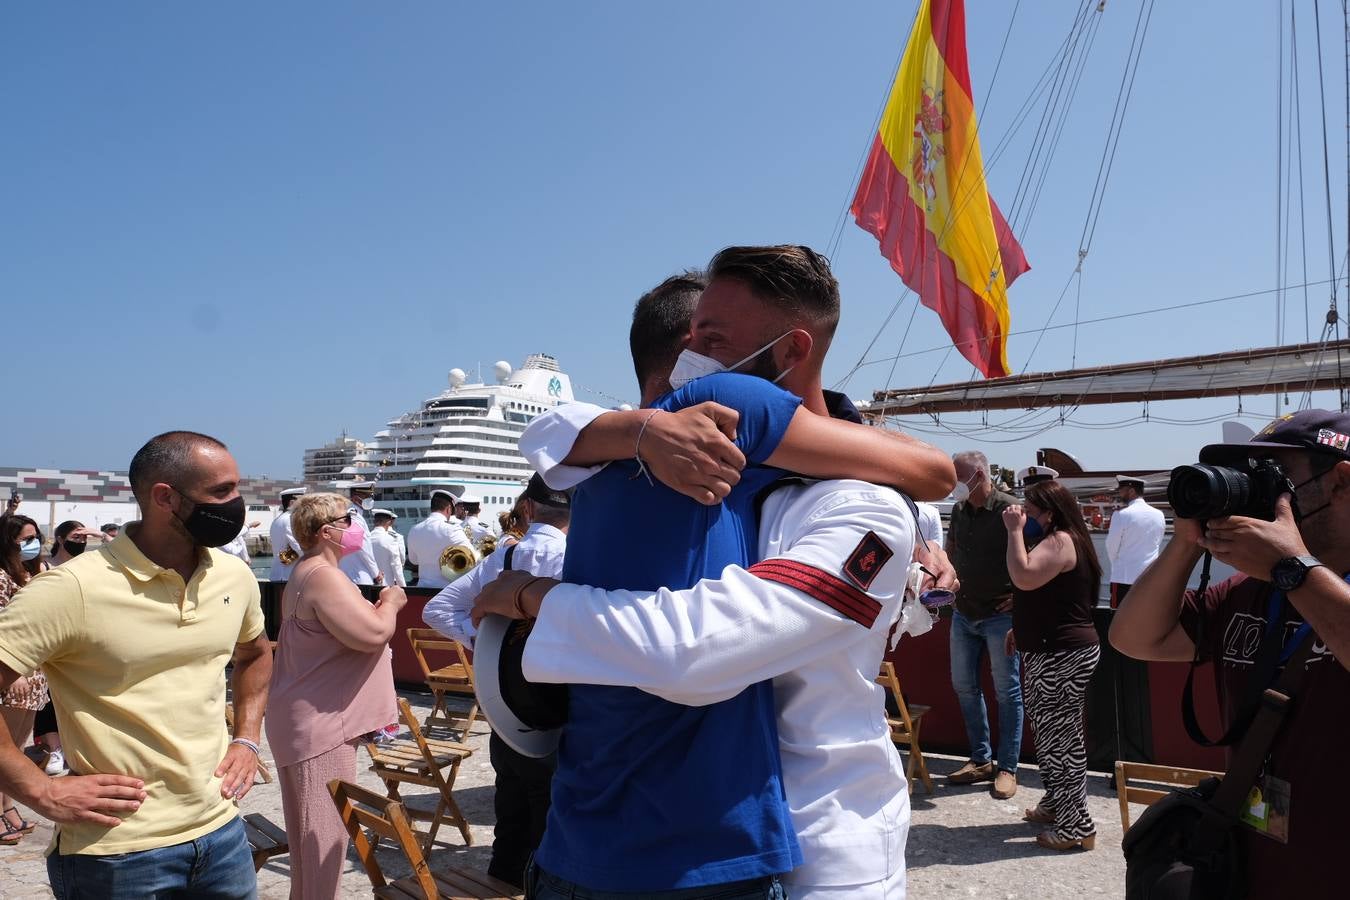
(833, 591)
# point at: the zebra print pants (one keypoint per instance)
(1053, 688)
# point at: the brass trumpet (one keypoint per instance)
(287, 556)
(487, 545)
(456, 560)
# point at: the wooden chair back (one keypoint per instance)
(905, 725)
(362, 809)
(456, 677)
(1158, 782)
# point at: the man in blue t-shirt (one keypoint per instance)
(651, 796)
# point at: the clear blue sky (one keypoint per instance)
(273, 222)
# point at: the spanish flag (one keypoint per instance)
(924, 197)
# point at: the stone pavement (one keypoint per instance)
(962, 842)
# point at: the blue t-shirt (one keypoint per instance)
(650, 795)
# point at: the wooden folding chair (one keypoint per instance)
(266, 839)
(1161, 778)
(905, 726)
(361, 808)
(454, 678)
(425, 762)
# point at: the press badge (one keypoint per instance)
(1267, 808)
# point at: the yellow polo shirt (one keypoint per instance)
(136, 662)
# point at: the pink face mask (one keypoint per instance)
(352, 539)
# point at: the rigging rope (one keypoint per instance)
(1113, 318)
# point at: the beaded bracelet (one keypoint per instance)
(245, 742)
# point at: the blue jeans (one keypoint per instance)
(218, 866)
(971, 641)
(540, 885)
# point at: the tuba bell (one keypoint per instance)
(487, 545)
(456, 560)
(287, 556)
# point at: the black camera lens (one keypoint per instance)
(1208, 492)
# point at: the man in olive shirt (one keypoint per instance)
(977, 543)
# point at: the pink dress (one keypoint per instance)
(324, 697)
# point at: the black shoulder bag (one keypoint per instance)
(1187, 846)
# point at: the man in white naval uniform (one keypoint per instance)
(470, 506)
(814, 615)
(1134, 539)
(429, 538)
(360, 566)
(387, 545)
(283, 537)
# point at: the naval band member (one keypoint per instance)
(432, 536)
(360, 566)
(387, 545)
(285, 548)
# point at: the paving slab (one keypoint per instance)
(962, 842)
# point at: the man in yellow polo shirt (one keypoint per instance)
(134, 639)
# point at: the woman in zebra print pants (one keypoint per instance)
(1055, 586)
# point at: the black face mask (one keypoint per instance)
(214, 524)
(73, 548)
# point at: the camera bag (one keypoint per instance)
(1187, 846)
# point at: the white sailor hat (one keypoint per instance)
(470, 498)
(453, 491)
(361, 486)
(1034, 474)
(293, 492)
(528, 716)
(384, 512)
(1134, 480)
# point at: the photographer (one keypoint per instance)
(1291, 551)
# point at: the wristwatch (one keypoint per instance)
(1290, 572)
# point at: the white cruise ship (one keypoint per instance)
(466, 435)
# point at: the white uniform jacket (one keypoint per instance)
(239, 547)
(388, 550)
(476, 530)
(426, 540)
(539, 552)
(548, 439)
(360, 566)
(1134, 539)
(282, 537)
(930, 523)
(814, 615)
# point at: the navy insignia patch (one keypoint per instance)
(867, 559)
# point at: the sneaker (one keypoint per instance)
(56, 763)
(972, 772)
(1005, 785)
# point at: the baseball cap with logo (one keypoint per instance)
(1317, 430)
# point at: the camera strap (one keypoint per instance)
(1273, 651)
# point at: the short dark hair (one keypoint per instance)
(382, 517)
(166, 458)
(557, 516)
(109, 527)
(441, 502)
(661, 322)
(795, 279)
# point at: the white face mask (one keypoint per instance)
(691, 365)
(368, 504)
(961, 493)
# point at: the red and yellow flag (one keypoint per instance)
(923, 193)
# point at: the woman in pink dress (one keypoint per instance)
(332, 684)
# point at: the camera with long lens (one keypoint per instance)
(1204, 491)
